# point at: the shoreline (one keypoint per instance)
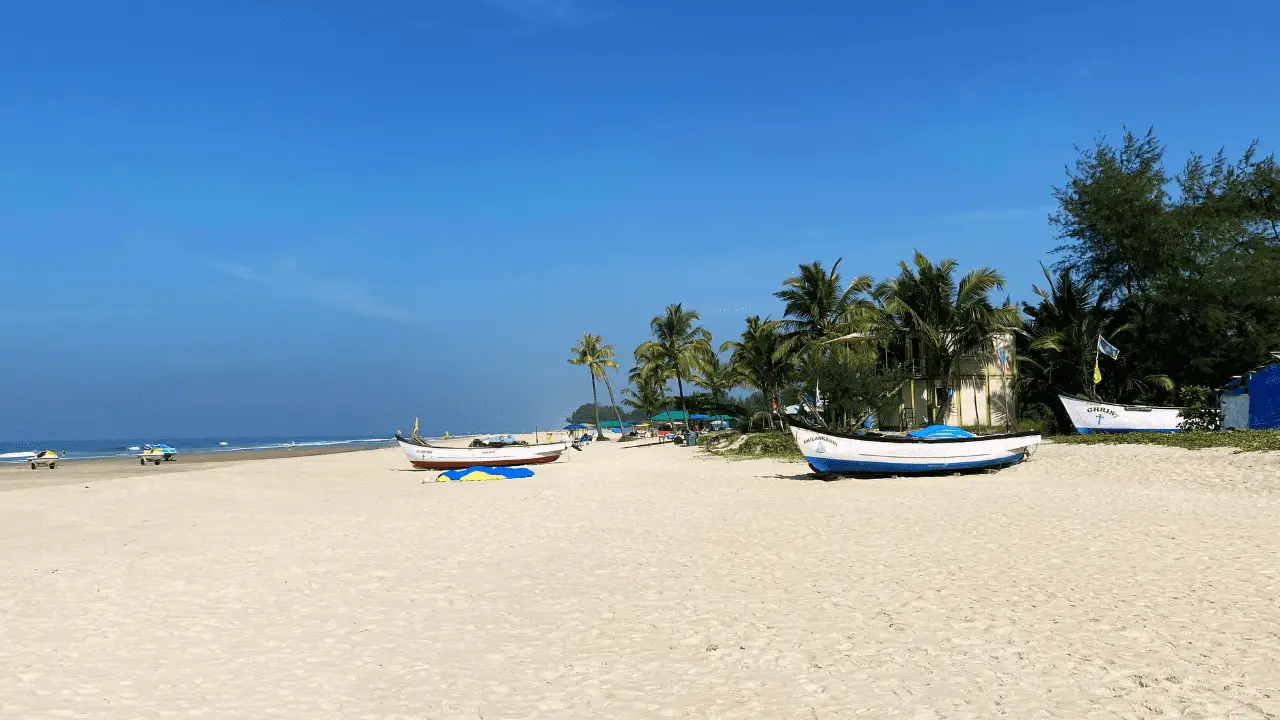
(20, 476)
(1113, 580)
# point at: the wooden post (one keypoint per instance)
(987, 372)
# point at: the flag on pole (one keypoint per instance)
(1108, 349)
(1097, 372)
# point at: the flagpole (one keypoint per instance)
(1097, 358)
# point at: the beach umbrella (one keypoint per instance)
(576, 426)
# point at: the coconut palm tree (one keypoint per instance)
(760, 359)
(951, 318)
(716, 376)
(598, 357)
(678, 344)
(1063, 331)
(817, 308)
(648, 395)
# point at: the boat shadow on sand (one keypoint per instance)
(811, 476)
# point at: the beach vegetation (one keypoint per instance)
(1239, 440)
(1200, 409)
(1176, 269)
(761, 360)
(585, 413)
(715, 376)
(949, 316)
(778, 445)
(678, 346)
(597, 356)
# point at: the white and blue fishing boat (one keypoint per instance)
(933, 450)
(1093, 416)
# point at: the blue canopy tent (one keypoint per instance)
(574, 429)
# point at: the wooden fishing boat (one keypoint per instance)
(424, 455)
(833, 453)
(1092, 416)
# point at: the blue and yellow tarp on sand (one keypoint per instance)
(476, 474)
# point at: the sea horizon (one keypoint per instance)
(106, 448)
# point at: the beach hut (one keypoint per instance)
(667, 420)
(1252, 401)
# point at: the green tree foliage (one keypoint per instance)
(1200, 408)
(679, 344)
(1063, 329)
(716, 377)
(586, 412)
(759, 358)
(1189, 263)
(817, 308)
(593, 353)
(949, 317)
(853, 386)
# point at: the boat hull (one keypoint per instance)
(840, 454)
(435, 457)
(1090, 417)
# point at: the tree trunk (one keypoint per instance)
(595, 405)
(944, 407)
(683, 407)
(622, 430)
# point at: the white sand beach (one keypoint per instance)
(1107, 582)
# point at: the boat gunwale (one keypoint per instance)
(559, 443)
(1140, 408)
(912, 440)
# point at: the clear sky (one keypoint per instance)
(274, 217)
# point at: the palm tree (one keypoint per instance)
(678, 345)
(760, 359)
(648, 394)
(950, 318)
(598, 358)
(816, 307)
(1063, 331)
(717, 377)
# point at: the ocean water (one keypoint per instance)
(99, 449)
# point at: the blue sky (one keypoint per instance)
(282, 217)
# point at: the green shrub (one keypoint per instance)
(1200, 409)
(1039, 417)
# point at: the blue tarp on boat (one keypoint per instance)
(935, 432)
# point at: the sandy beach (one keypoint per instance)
(1107, 582)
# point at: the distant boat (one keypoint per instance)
(222, 443)
(1093, 416)
(133, 447)
(832, 453)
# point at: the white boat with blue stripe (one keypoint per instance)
(832, 453)
(1093, 416)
